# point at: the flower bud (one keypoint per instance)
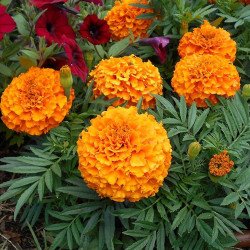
(66, 79)
(89, 57)
(246, 91)
(193, 150)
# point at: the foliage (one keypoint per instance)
(193, 210)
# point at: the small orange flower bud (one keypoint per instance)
(193, 150)
(66, 79)
(220, 164)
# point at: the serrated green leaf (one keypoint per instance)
(92, 222)
(183, 109)
(160, 238)
(200, 121)
(192, 115)
(24, 181)
(232, 197)
(24, 198)
(138, 245)
(49, 180)
(70, 240)
(117, 48)
(109, 227)
(58, 240)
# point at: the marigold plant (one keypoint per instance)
(34, 102)
(208, 40)
(122, 19)
(220, 164)
(128, 78)
(124, 155)
(200, 77)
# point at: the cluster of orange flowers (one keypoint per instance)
(124, 155)
(127, 78)
(206, 68)
(35, 102)
(122, 19)
(220, 164)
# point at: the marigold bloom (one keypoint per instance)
(220, 164)
(208, 40)
(34, 102)
(128, 78)
(124, 155)
(122, 19)
(200, 77)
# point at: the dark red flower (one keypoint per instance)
(95, 30)
(53, 24)
(97, 2)
(56, 62)
(7, 24)
(42, 3)
(75, 58)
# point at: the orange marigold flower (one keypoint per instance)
(124, 155)
(199, 77)
(128, 78)
(34, 102)
(208, 40)
(220, 164)
(122, 19)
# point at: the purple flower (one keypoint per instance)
(159, 45)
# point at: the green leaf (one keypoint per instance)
(22, 169)
(167, 105)
(22, 25)
(192, 115)
(179, 217)
(232, 197)
(117, 48)
(109, 227)
(204, 230)
(10, 194)
(70, 240)
(137, 233)
(24, 181)
(138, 245)
(49, 180)
(92, 222)
(200, 121)
(56, 169)
(183, 109)
(151, 242)
(58, 240)
(40, 188)
(24, 198)
(57, 227)
(160, 238)
(4, 70)
(146, 225)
